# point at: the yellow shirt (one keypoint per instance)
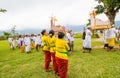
(61, 49)
(45, 41)
(52, 44)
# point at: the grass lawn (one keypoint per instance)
(98, 64)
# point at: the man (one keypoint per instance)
(111, 37)
(11, 42)
(27, 43)
(106, 38)
(88, 35)
(83, 37)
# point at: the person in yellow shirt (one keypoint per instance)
(61, 55)
(52, 49)
(46, 48)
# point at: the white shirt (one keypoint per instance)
(10, 40)
(37, 40)
(88, 34)
(68, 37)
(106, 33)
(112, 33)
(27, 40)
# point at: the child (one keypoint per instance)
(62, 55)
(46, 48)
(52, 49)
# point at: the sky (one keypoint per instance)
(35, 14)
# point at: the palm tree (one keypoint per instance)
(109, 7)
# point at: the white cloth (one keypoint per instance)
(21, 41)
(112, 33)
(106, 34)
(68, 37)
(87, 43)
(27, 48)
(10, 40)
(27, 44)
(37, 40)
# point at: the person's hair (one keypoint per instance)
(43, 31)
(61, 35)
(20, 36)
(51, 33)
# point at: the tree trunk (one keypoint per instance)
(111, 17)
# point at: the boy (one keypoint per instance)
(46, 48)
(61, 55)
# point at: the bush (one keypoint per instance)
(3, 37)
(78, 35)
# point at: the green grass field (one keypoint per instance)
(98, 64)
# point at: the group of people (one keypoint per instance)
(57, 46)
(110, 37)
(26, 43)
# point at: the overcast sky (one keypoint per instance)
(36, 13)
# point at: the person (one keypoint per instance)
(106, 38)
(36, 39)
(83, 38)
(11, 42)
(52, 50)
(72, 41)
(22, 45)
(61, 55)
(118, 34)
(18, 42)
(111, 37)
(46, 50)
(68, 38)
(39, 40)
(88, 35)
(32, 44)
(27, 43)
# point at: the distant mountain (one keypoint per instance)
(75, 28)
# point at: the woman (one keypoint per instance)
(52, 49)
(46, 50)
(61, 55)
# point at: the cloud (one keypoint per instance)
(36, 13)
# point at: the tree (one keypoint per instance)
(6, 34)
(109, 7)
(3, 10)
